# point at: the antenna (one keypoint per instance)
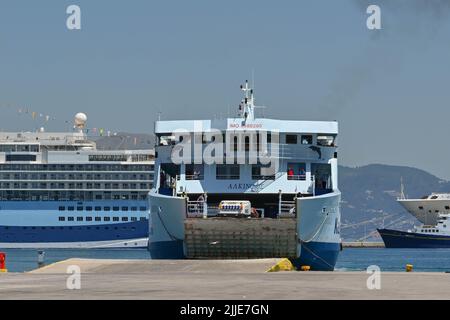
(246, 108)
(402, 190)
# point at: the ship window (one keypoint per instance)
(107, 208)
(106, 219)
(133, 218)
(306, 139)
(98, 219)
(143, 219)
(124, 208)
(62, 219)
(296, 171)
(70, 208)
(194, 172)
(227, 172)
(70, 219)
(79, 208)
(447, 207)
(20, 157)
(98, 208)
(88, 218)
(116, 208)
(322, 176)
(262, 172)
(79, 218)
(115, 218)
(291, 139)
(143, 208)
(88, 208)
(62, 208)
(124, 218)
(420, 208)
(133, 208)
(326, 141)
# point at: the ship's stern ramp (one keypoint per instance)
(234, 238)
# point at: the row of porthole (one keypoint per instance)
(100, 208)
(437, 211)
(72, 228)
(97, 219)
(430, 230)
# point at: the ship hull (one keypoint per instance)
(402, 239)
(318, 224)
(43, 225)
(426, 210)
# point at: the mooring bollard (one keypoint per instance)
(3, 262)
(305, 268)
(41, 258)
(409, 268)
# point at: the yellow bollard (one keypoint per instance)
(305, 268)
(282, 265)
(409, 268)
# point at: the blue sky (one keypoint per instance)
(312, 60)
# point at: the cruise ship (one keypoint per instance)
(58, 191)
(246, 187)
(428, 208)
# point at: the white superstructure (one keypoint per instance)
(428, 208)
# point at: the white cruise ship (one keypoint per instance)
(428, 208)
(246, 187)
(58, 191)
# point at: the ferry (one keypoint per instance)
(425, 236)
(57, 190)
(246, 187)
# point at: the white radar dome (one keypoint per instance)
(80, 120)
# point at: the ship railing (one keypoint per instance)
(299, 177)
(265, 183)
(287, 209)
(197, 209)
(191, 177)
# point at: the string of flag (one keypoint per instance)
(46, 118)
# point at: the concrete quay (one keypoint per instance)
(361, 244)
(213, 279)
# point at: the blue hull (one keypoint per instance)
(319, 256)
(401, 239)
(83, 233)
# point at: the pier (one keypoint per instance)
(213, 279)
(361, 244)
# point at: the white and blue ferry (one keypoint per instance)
(58, 191)
(424, 236)
(246, 187)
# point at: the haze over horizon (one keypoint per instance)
(312, 60)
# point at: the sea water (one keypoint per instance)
(351, 259)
